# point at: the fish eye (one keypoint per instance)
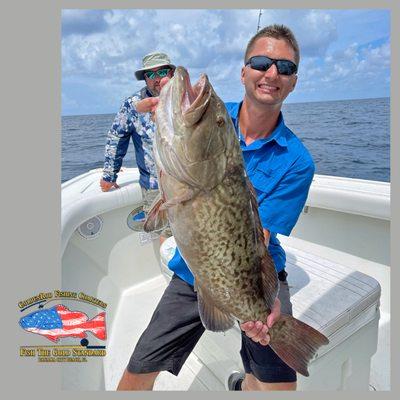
(220, 120)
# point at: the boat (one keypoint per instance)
(339, 277)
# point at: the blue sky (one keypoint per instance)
(345, 54)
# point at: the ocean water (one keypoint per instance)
(349, 138)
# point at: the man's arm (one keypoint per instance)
(281, 208)
(117, 141)
(117, 145)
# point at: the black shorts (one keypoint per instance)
(175, 328)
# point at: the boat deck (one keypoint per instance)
(130, 321)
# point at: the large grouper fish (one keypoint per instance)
(212, 211)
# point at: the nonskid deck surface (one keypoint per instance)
(134, 311)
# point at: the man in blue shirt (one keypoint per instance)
(281, 171)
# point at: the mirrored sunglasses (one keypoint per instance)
(161, 73)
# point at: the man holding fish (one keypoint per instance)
(232, 176)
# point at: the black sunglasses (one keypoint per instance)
(263, 63)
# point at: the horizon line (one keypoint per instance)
(295, 102)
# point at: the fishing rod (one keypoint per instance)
(259, 18)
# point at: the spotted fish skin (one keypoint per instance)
(212, 210)
(223, 254)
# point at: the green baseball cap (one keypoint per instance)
(153, 60)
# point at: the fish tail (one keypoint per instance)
(97, 326)
(295, 342)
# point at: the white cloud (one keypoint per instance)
(378, 56)
(340, 71)
(354, 68)
(109, 49)
(195, 38)
(315, 30)
(83, 22)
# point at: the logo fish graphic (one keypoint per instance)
(60, 322)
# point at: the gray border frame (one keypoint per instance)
(31, 72)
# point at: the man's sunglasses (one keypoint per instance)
(161, 73)
(263, 63)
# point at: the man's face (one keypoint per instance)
(153, 84)
(269, 87)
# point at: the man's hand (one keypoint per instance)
(148, 104)
(258, 330)
(164, 81)
(106, 186)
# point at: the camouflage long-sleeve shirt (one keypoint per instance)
(128, 123)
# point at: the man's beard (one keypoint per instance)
(154, 92)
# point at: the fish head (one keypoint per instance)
(195, 134)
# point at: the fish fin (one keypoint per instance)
(184, 195)
(52, 338)
(269, 277)
(100, 329)
(211, 316)
(258, 229)
(157, 217)
(295, 342)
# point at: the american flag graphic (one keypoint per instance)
(59, 322)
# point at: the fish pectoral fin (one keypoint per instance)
(184, 195)
(157, 218)
(52, 338)
(259, 232)
(211, 316)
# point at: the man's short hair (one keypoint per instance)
(277, 32)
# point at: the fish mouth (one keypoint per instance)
(194, 99)
(24, 323)
(191, 94)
